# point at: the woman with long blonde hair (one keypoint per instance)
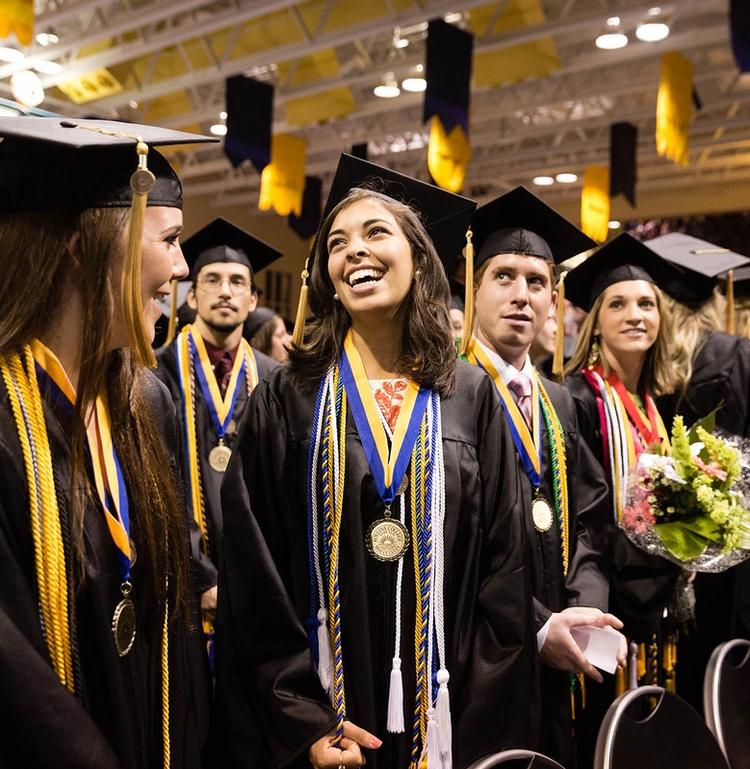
(621, 362)
(100, 663)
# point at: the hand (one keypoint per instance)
(560, 650)
(325, 754)
(208, 602)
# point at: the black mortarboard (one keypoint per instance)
(222, 241)
(68, 164)
(623, 258)
(446, 216)
(701, 262)
(521, 223)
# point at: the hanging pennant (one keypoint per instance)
(623, 148)
(306, 224)
(249, 107)
(446, 102)
(282, 182)
(17, 17)
(448, 156)
(595, 202)
(674, 107)
(739, 21)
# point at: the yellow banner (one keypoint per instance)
(96, 84)
(674, 107)
(448, 155)
(17, 16)
(595, 202)
(283, 179)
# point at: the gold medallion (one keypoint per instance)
(142, 181)
(541, 514)
(387, 539)
(219, 457)
(123, 626)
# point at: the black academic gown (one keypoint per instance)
(720, 380)
(211, 480)
(587, 582)
(640, 584)
(489, 622)
(114, 719)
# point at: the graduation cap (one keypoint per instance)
(623, 258)
(256, 320)
(445, 215)
(55, 163)
(222, 241)
(702, 264)
(62, 163)
(519, 222)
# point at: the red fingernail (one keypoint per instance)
(376, 743)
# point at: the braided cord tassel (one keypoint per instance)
(167, 745)
(558, 464)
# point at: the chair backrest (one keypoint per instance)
(650, 728)
(726, 700)
(516, 759)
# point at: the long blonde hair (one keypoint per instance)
(657, 374)
(695, 323)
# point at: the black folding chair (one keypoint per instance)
(650, 728)
(726, 700)
(516, 759)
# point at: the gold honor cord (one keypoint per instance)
(49, 552)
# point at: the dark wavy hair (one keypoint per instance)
(428, 353)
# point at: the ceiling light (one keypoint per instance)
(613, 21)
(222, 115)
(47, 38)
(652, 31)
(48, 67)
(452, 18)
(414, 84)
(611, 41)
(398, 41)
(218, 129)
(614, 225)
(388, 89)
(27, 88)
(133, 104)
(11, 55)
(543, 181)
(566, 178)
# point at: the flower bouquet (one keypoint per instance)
(692, 507)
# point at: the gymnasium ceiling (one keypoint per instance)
(543, 95)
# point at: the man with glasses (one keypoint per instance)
(210, 369)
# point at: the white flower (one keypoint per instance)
(662, 464)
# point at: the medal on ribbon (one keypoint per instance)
(528, 443)
(110, 486)
(387, 538)
(221, 408)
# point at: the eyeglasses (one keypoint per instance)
(213, 283)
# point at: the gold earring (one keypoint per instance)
(594, 353)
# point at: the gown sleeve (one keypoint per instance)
(270, 706)
(44, 725)
(498, 702)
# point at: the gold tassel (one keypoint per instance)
(621, 684)
(558, 359)
(172, 325)
(730, 302)
(141, 182)
(299, 322)
(468, 295)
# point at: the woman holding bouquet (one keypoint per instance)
(375, 467)
(620, 363)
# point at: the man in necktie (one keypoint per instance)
(210, 370)
(517, 239)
